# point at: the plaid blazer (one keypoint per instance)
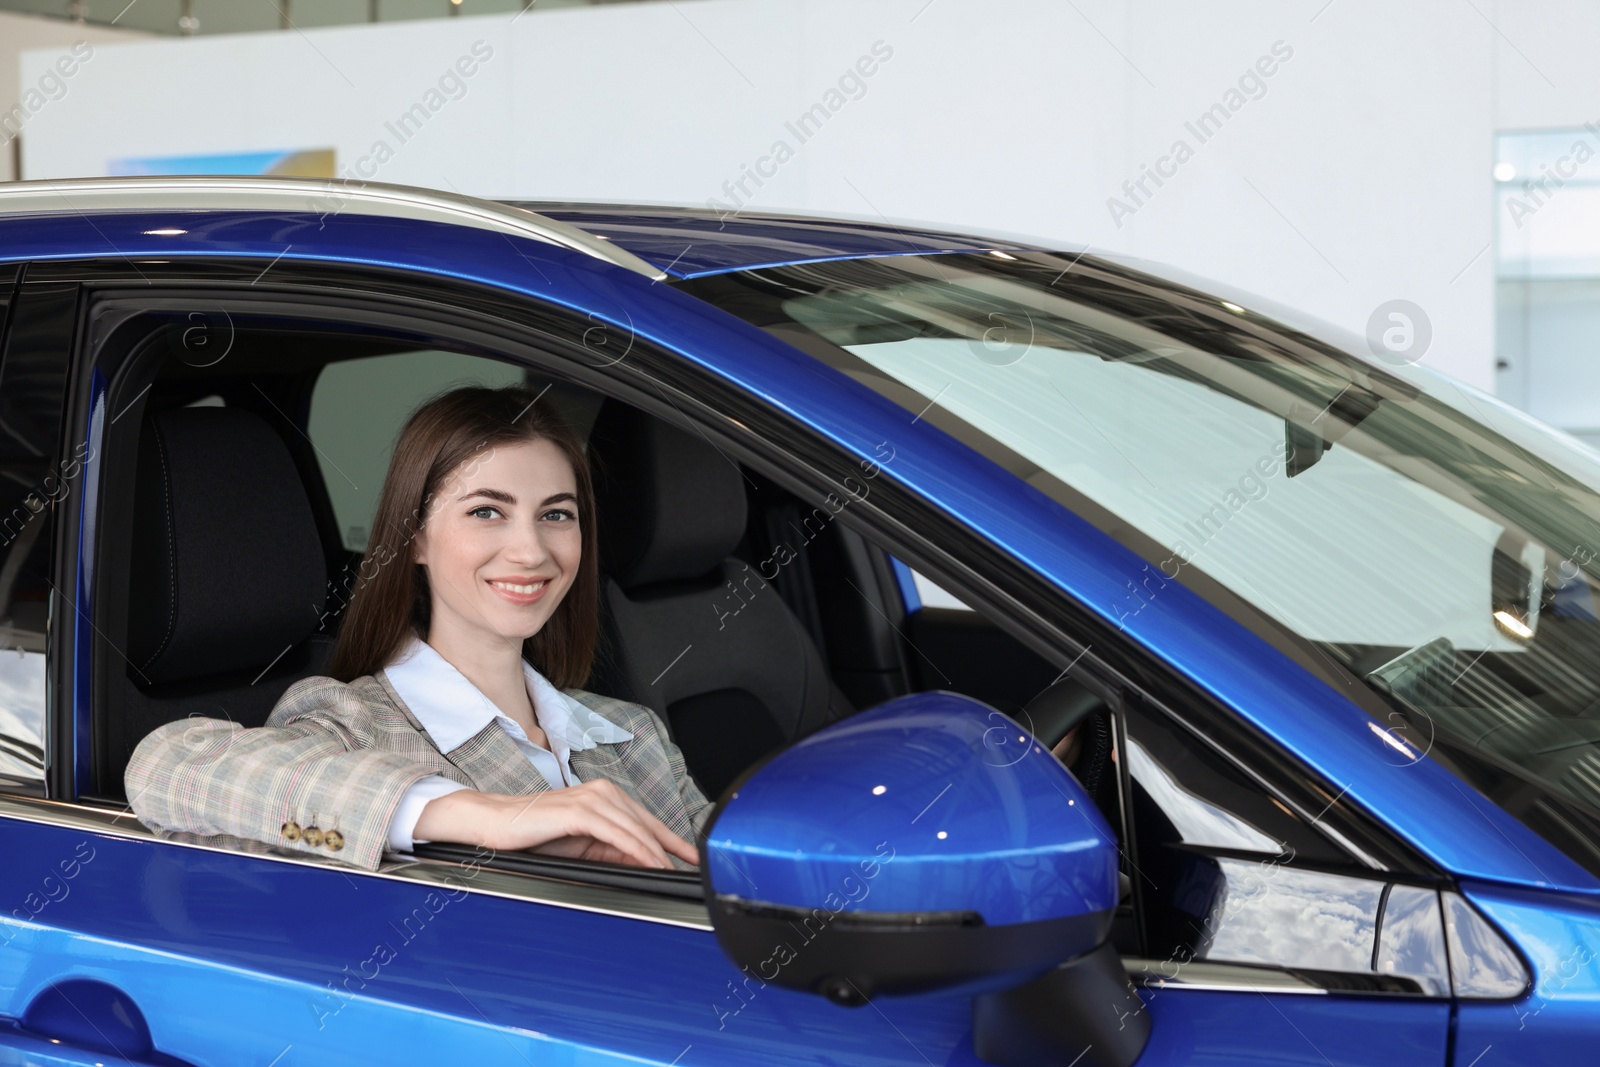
(337, 756)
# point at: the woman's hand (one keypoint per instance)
(595, 820)
(1066, 749)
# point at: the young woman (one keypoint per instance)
(449, 712)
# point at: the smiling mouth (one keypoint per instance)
(520, 593)
(525, 590)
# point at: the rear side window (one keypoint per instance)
(34, 484)
(357, 409)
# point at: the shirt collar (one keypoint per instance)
(453, 710)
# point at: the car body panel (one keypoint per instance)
(341, 962)
(361, 969)
(1221, 1029)
(692, 243)
(1448, 822)
(263, 940)
(1559, 936)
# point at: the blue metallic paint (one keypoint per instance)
(1559, 1019)
(910, 599)
(83, 604)
(226, 951)
(1450, 823)
(917, 806)
(230, 951)
(1219, 1029)
(255, 939)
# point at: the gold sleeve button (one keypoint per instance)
(334, 840)
(313, 836)
(291, 830)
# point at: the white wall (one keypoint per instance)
(55, 38)
(1360, 175)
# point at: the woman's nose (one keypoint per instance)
(528, 546)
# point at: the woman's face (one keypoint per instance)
(501, 541)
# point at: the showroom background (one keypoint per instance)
(1349, 159)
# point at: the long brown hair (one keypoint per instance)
(392, 599)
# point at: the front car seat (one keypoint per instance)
(227, 577)
(694, 633)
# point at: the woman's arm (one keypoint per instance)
(595, 820)
(313, 766)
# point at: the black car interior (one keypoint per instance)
(200, 653)
(746, 616)
(673, 511)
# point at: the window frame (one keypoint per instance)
(11, 282)
(39, 321)
(521, 329)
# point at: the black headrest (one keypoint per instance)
(227, 567)
(671, 506)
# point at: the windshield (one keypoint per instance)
(1416, 532)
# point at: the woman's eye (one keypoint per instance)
(485, 507)
(560, 515)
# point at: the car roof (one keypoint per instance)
(689, 241)
(656, 240)
(324, 199)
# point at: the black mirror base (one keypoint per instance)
(1085, 1012)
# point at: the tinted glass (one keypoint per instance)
(34, 484)
(1401, 526)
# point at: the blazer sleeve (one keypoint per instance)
(663, 774)
(694, 801)
(687, 789)
(314, 764)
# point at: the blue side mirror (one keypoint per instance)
(928, 844)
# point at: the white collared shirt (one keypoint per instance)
(453, 710)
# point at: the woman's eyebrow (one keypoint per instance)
(507, 498)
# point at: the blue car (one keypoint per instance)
(1090, 665)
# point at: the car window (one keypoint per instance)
(35, 482)
(357, 409)
(1376, 520)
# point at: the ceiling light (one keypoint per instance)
(1512, 625)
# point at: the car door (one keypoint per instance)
(137, 944)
